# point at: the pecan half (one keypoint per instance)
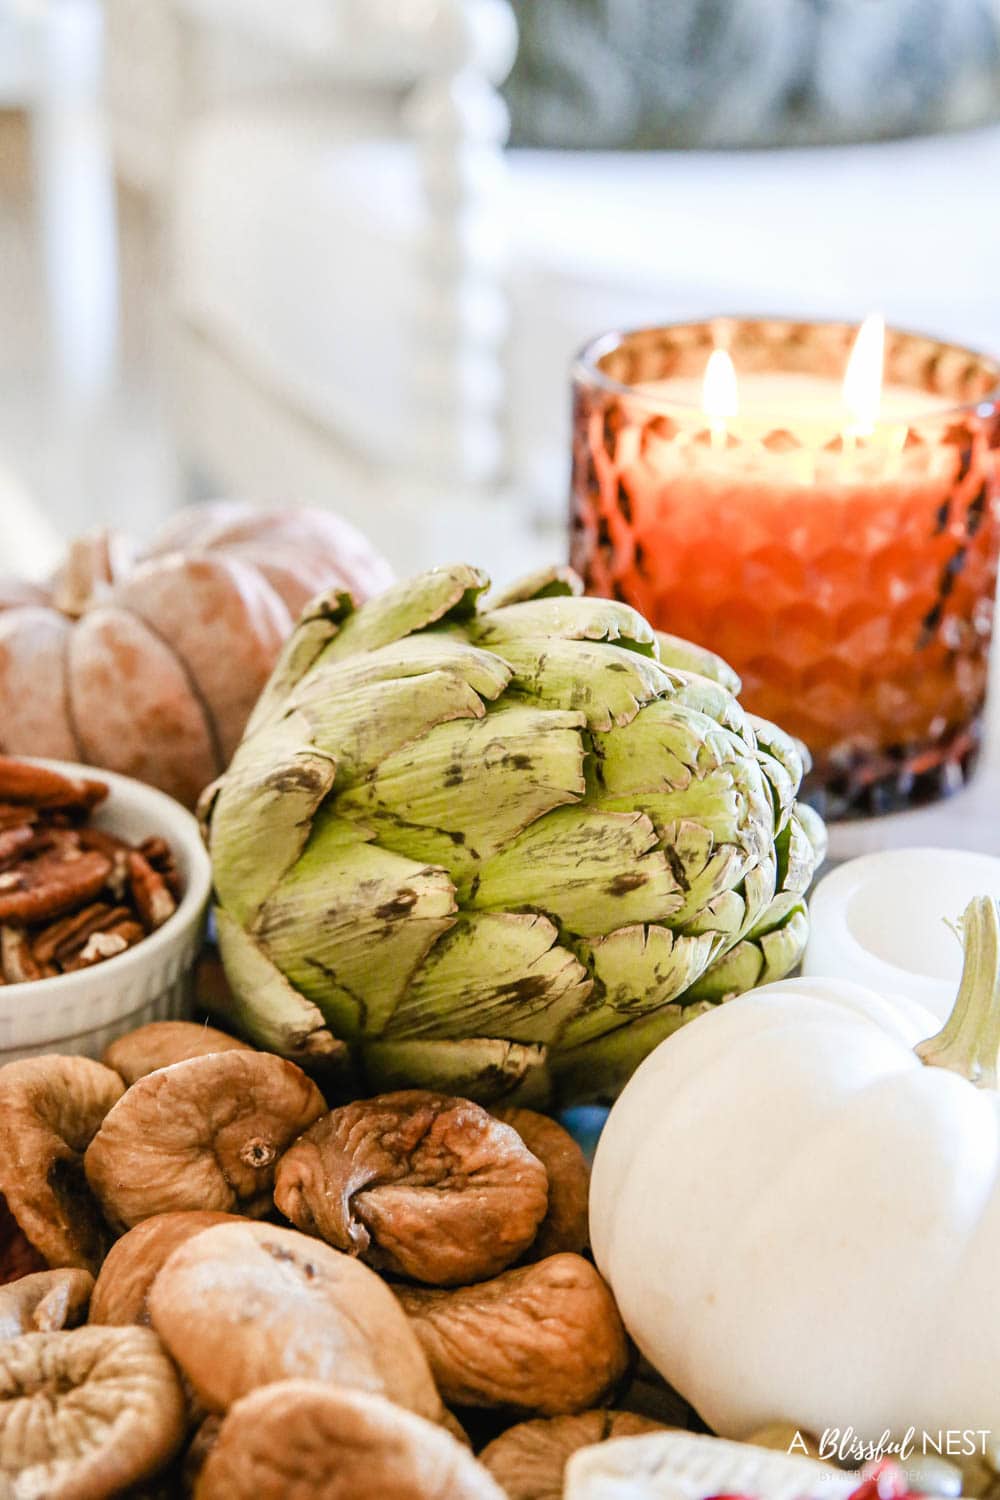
(12, 814)
(13, 842)
(53, 883)
(16, 958)
(161, 857)
(106, 944)
(103, 841)
(117, 850)
(23, 781)
(97, 948)
(65, 937)
(152, 897)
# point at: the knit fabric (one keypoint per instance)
(660, 73)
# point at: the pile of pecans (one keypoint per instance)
(71, 895)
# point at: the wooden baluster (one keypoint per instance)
(459, 124)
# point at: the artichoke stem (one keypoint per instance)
(969, 1041)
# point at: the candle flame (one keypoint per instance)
(863, 377)
(719, 395)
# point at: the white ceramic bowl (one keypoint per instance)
(882, 921)
(83, 1012)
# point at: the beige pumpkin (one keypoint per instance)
(149, 663)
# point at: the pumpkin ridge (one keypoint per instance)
(135, 708)
(196, 692)
(67, 697)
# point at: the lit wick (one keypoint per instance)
(719, 395)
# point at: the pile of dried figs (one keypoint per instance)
(213, 1285)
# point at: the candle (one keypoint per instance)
(758, 488)
(887, 921)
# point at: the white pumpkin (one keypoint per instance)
(801, 1221)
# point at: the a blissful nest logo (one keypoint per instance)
(845, 1446)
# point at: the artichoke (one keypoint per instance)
(500, 850)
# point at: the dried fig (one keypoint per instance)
(528, 1460)
(545, 1338)
(206, 1133)
(164, 1042)
(200, 1446)
(304, 1438)
(133, 1263)
(18, 1256)
(85, 1414)
(44, 1302)
(241, 1305)
(565, 1226)
(416, 1183)
(50, 1108)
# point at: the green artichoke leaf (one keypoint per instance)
(262, 812)
(546, 583)
(717, 802)
(770, 951)
(784, 761)
(774, 916)
(786, 749)
(715, 701)
(665, 747)
(414, 656)
(568, 619)
(731, 974)
(368, 726)
(784, 946)
(596, 1071)
(443, 593)
(760, 885)
(266, 1008)
(499, 972)
(724, 914)
(605, 683)
(795, 854)
(707, 871)
(466, 788)
(350, 924)
(782, 788)
(486, 1069)
(815, 831)
(675, 652)
(637, 969)
(590, 869)
(318, 626)
(369, 706)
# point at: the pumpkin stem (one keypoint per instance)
(93, 565)
(969, 1041)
